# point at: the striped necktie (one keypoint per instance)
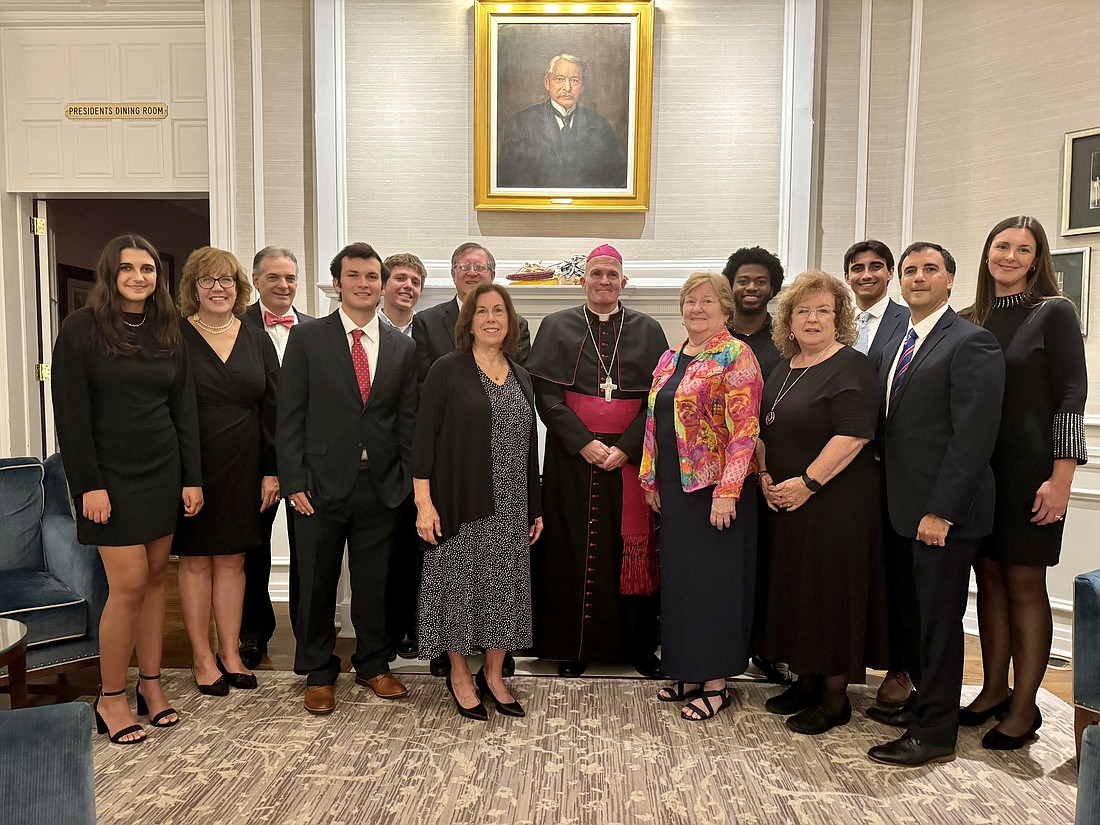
(907, 350)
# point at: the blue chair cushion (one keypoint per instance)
(1086, 640)
(21, 514)
(51, 611)
(1088, 779)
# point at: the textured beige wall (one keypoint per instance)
(997, 93)
(716, 132)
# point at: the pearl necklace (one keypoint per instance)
(205, 327)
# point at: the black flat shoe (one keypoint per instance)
(973, 718)
(241, 681)
(513, 708)
(143, 707)
(440, 665)
(819, 719)
(649, 667)
(407, 647)
(708, 710)
(252, 651)
(678, 692)
(997, 741)
(571, 668)
(216, 688)
(794, 699)
(477, 712)
(116, 737)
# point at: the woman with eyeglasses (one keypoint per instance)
(235, 368)
(125, 410)
(826, 600)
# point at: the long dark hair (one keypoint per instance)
(1042, 283)
(106, 304)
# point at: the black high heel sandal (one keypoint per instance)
(477, 712)
(241, 681)
(143, 707)
(101, 726)
(513, 708)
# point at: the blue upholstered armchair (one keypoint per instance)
(48, 581)
(1086, 652)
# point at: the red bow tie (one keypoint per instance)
(270, 320)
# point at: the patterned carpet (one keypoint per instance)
(600, 751)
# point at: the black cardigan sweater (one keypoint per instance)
(451, 446)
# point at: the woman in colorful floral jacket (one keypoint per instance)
(698, 473)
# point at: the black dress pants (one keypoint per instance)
(258, 615)
(366, 526)
(930, 586)
(406, 561)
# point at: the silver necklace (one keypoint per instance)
(205, 327)
(783, 390)
(138, 324)
(608, 385)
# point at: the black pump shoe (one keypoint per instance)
(973, 718)
(997, 741)
(220, 687)
(477, 712)
(241, 681)
(513, 708)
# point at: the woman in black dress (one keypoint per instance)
(697, 472)
(128, 429)
(476, 487)
(826, 600)
(1040, 444)
(235, 368)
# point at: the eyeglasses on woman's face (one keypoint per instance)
(225, 281)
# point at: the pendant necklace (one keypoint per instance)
(608, 385)
(783, 390)
(205, 327)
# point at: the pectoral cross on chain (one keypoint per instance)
(607, 386)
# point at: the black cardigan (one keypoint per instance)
(451, 446)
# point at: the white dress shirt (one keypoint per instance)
(874, 318)
(277, 332)
(369, 342)
(924, 329)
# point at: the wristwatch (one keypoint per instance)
(813, 486)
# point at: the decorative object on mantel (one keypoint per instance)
(1081, 183)
(570, 270)
(574, 136)
(533, 273)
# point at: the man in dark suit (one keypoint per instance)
(868, 270)
(275, 276)
(433, 329)
(942, 381)
(559, 144)
(347, 407)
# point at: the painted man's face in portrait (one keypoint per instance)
(564, 84)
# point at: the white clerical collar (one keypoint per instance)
(562, 111)
(603, 317)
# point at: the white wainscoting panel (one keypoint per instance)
(46, 68)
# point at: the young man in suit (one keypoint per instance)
(942, 381)
(868, 270)
(347, 407)
(433, 330)
(275, 276)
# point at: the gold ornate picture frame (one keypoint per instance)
(563, 106)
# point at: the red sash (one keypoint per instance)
(639, 575)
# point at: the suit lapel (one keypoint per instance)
(385, 356)
(450, 316)
(938, 333)
(342, 351)
(887, 329)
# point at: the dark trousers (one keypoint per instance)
(406, 560)
(366, 525)
(930, 586)
(258, 616)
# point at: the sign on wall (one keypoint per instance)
(116, 111)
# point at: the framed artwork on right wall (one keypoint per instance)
(1071, 268)
(1081, 183)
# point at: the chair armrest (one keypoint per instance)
(1086, 640)
(75, 565)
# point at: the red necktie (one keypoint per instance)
(362, 365)
(271, 319)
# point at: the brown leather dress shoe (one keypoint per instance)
(320, 699)
(895, 689)
(385, 685)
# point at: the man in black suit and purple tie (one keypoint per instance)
(275, 276)
(942, 381)
(346, 413)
